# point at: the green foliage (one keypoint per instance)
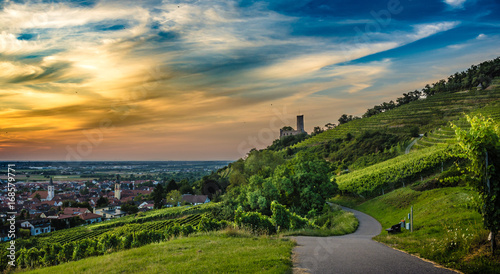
(386, 175)
(158, 195)
(481, 146)
(102, 201)
(281, 216)
(174, 197)
(287, 141)
(255, 221)
(298, 222)
(208, 224)
(130, 208)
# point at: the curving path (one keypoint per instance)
(407, 150)
(356, 253)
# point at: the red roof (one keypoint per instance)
(75, 210)
(63, 216)
(43, 194)
(88, 216)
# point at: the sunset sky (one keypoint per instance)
(209, 80)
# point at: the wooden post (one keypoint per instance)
(411, 222)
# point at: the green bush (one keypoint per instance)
(187, 229)
(208, 224)
(281, 216)
(257, 222)
(298, 222)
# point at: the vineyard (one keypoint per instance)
(445, 135)
(372, 181)
(142, 221)
(110, 236)
(434, 112)
(81, 233)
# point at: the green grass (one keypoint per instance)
(446, 229)
(337, 223)
(229, 251)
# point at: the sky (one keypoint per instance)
(209, 80)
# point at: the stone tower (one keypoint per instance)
(50, 190)
(300, 123)
(118, 194)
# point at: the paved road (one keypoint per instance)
(357, 253)
(407, 150)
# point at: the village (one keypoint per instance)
(54, 205)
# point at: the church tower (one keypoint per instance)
(50, 189)
(118, 194)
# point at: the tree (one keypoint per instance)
(84, 191)
(481, 146)
(157, 195)
(130, 208)
(330, 126)
(317, 130)
(38, 196)
(287, 128)
(346, 118)
(172, 185)
(102, 201)
(174, 197)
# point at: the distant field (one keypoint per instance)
(219, 252)
(32, 178)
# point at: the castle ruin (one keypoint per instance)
(300, 128)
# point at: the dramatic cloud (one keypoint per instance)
(164, 80)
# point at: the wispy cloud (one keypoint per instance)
(169, 72)
(455, 3)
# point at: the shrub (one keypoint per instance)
(298, 222)
(281, 216)
(174, 230)
(208, 224)
(187, 229)
(257, 222)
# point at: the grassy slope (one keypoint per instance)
(204, 253)
(446, 229)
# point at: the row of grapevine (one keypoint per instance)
(372, 179)
(166, 213)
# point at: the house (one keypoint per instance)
(195, 199)
(75, 210)
(148, 205)
(37, 227)
(109, 212)
(43, 195)
(90, 218)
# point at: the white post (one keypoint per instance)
(411, 222)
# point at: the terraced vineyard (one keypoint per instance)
(445, 135)
(428, 114)
(392, 173)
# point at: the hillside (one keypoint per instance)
(427, 114)
(447, 229)
(283, 190)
